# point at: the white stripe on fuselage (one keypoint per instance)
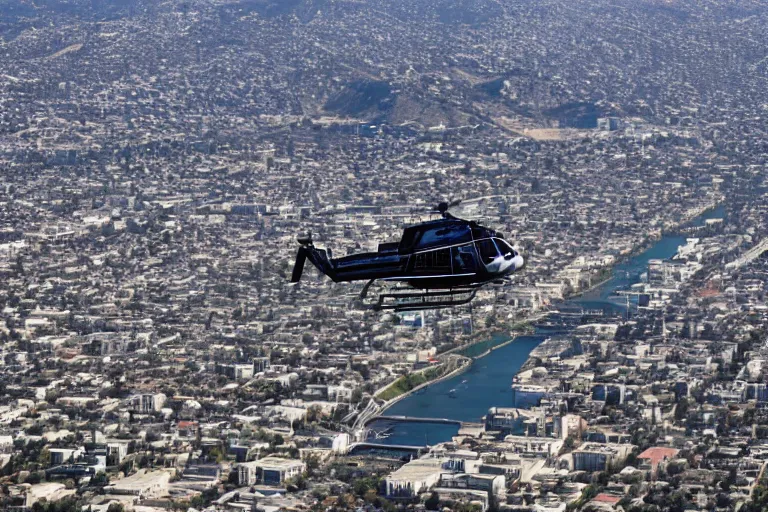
(407, 278)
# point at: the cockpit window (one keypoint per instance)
(487, 250)
(504, 247)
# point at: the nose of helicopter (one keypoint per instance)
(519, 262)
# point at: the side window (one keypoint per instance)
(464, 259)
(487, 250)
(442, 259)
(420, 261)
(438, 260)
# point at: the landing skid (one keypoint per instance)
(420, 300)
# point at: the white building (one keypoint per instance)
(61, 455)
(6, 444)
(413, 478)
(149, 402)
(144, 484)
(599, 456)
(540, 446)
(269, 470)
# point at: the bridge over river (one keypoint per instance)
(366, 446)
(413, 419)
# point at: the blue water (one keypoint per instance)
(627, 273)
(487, 382)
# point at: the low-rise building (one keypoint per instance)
(269, 470)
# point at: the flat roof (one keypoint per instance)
(418, 469)
(271, 462)
(140, 481)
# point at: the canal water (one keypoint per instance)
(487, 382)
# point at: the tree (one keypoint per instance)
(44, 458)
(313, 413)
(363, 485)
(313, 463)
(19, 266)
(681, 409)
(115, 507)
(433, 502)
(723, 500)
(100, 479)
(296, 484)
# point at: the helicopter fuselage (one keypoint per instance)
(442, 254)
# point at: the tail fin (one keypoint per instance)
(319, 259)
(298, 267)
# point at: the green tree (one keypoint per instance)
(100, 479)
(216, 454)
(681, 409)
(363, 485)
(44, 459)
(313, 463)
(433, 502)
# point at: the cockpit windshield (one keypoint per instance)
(487, 250)
(504, 247)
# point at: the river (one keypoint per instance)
(487, 382)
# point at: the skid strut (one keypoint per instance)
(419, 300)
(425, 300)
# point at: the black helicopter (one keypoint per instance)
(447, 260)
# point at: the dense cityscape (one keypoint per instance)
(160, 159)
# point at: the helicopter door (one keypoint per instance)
(464, 259)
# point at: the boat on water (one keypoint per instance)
(452, 393)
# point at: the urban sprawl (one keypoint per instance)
(159, 160)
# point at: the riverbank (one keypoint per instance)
(463, 366)
(648, 244)
(510, 334)
(534, 355)
(580, 293)
(496, 347)
(521, 327)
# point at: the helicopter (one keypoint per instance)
(444, 262)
